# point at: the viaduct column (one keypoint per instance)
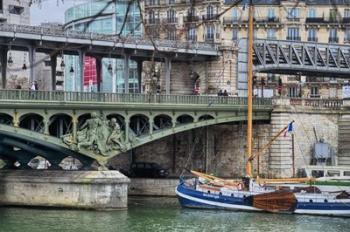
(126, 72)
(99, 72)
(81, 68)
(3, 62)
(31, 51)
(167, 75)
(281, 157)
(139, 74)
(53, 71)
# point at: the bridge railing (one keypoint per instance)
(60, 96)
(311, 103)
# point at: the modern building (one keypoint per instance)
(16, 12)
(222, 22)
(106, 17)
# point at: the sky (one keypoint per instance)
(50, 11)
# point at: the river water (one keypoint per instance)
(160, 214)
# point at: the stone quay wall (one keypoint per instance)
(103, 190)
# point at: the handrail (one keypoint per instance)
(52, 96)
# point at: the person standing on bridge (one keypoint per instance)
(33, 86)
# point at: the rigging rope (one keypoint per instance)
(196, 140)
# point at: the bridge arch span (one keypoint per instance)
(162, 121)
(60, 124)
(185, 118)
(207, 116)
(82, 118)
(32, 121)
(139, 124)
(119, 117)
(6, 119)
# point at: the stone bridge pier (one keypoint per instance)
(314, 119)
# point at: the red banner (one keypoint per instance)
(90, 75)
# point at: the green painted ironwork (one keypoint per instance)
(54, 96)
(118, 138)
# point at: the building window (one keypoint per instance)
(192, 36)
(271, 14)
(271, 33)
(311, 13)
(333, 35)
(47, 62)
(312, 35)
(192, 12)
(271, 77)
(333, 15)
(234, 14)
(171, 16)
(314, 92)
(293, 14)
(171, 34)
(171, 1)
(59, 73)
(1, 6)
(347, 35)
(210, 32)
(235, 34)
(346, 13)
(16, 9)
(293, 33)
(210, 12)
(293, 91)
(151, 17)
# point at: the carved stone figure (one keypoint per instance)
(116, 137)
(98, 134)
(90, 135)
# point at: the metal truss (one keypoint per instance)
(304, 58)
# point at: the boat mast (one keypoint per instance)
(250, 90)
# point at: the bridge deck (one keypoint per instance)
(50, 39)
(120, 98)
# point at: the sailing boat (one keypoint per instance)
(209, 192)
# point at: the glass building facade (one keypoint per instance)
(103, 16)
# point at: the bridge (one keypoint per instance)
(304, 58)
(51, 124)
(270, 56)
(58, 42)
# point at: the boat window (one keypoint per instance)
(333, 173)
(317, 173)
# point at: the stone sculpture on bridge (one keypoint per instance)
(99, 135)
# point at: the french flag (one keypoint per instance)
(289, 129)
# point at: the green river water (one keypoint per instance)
(160, 214)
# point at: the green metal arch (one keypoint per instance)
(23, 114)
(206, 114)
(138, 141)
(49, 116)
(185, 114)
(181, 128)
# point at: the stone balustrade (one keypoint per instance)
(310, 103)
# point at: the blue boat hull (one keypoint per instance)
(191, 198)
